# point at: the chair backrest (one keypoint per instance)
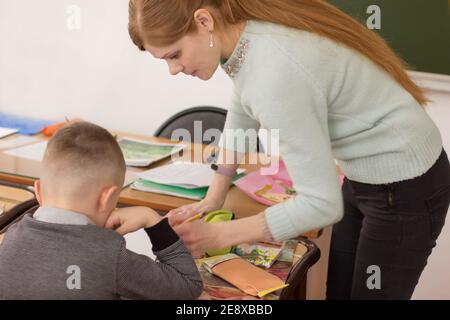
(297, 277)
(210, 118)
(23, 201)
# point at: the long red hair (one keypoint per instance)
(163, 22)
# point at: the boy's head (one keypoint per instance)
(83, 170)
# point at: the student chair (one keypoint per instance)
(15, 201)
(210, 117)
(298, 275)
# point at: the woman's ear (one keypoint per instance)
(37, 191)
(204, 20)
(107, 199)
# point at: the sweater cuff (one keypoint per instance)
(162, 235)
(279, 223)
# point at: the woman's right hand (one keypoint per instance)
(183, 213)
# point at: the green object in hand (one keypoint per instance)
(217, 217)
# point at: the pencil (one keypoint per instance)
(194, 218)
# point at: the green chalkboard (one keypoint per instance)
(418, 30)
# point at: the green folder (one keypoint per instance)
(150, 186)
(194, 194)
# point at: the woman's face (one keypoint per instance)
(191, 55)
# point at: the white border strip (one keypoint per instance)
(431, 81)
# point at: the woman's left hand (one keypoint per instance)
(199, 236)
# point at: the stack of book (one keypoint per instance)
(276, 258)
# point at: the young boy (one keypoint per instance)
(72, 246)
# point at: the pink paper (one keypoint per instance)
(254, 182)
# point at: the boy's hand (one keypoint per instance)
(128, 220)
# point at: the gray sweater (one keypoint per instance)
(41, 260)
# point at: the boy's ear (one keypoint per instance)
(37, 191)
(105, 199)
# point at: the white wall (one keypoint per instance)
(97, 74)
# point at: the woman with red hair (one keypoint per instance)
(334, 90)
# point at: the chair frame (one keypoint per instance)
(297, 278)
(187, 112)
(17, 212)
(191, 110)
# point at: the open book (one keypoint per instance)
(261, 254)
(143, 153)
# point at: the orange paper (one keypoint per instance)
(245, 276)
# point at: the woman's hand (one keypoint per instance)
(128, 220)
(183, 213)
(199, 236)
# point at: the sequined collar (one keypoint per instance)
(235, 62)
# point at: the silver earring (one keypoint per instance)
(211, 40)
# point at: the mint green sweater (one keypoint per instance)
(328, 102)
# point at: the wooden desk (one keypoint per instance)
(25, 172)
(10, 197)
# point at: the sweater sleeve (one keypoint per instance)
(174, 276)
(291, 102)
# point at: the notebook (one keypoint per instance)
(4, 132)
(35, 151)
(16, 142)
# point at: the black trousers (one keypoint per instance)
(381, 246)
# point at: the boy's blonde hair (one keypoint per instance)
(81, 158)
